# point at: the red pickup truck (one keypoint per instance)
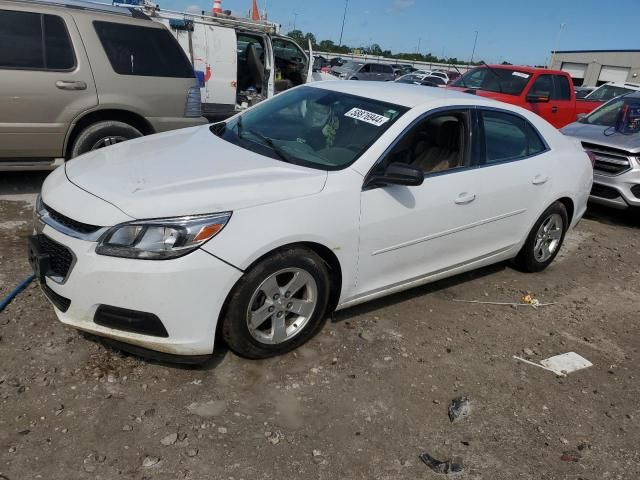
(549, 93)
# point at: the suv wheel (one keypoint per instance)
(102, 134)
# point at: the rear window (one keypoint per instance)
(34, 41)
(143, 51)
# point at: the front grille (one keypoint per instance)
(70, 223)
(609, 161)
(60, 257)
(603, 191)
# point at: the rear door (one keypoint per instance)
(45, 81)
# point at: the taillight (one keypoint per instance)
(592, 157)
(193, 107)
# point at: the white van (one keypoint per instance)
(238, 61)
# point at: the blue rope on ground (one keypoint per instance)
(7, 300)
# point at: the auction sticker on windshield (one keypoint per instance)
(368, 117)
(520, 74)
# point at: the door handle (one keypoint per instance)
(465, 198)
(554, 109)
(540, 180)
(69, 85)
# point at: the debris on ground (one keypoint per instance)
(454, 465)
(527, 301)
(566, 363)
(459, 408)
(570, 456)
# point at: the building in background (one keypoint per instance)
(596, 67)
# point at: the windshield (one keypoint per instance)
(607, 114)
(312, 127)
(607, 92)
(501, 80)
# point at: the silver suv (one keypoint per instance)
(77, 76)
(617, 153)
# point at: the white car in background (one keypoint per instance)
(442, 75)
(321, 198)
(611, 90)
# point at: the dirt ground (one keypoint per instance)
(360, 401)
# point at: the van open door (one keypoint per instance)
(311, 63)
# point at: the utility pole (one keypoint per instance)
(344, 18)
(419, 42)
(295, 19)
(555, 47)
(473, 53)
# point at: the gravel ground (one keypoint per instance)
(360, 401)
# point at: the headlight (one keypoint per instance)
(161, 239)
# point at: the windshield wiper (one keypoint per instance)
(284, 156)
(492, 70)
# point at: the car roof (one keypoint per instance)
(521, 68)
(87, 5)
(402, 94)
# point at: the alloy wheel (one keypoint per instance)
(548, 238)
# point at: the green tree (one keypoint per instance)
(310, 37)
(298, 36)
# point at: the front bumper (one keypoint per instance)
(186, 294)
(617, 191)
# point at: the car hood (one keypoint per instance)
(188, 172)
(596, 134)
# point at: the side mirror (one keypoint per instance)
(397, 174)
(538, 98)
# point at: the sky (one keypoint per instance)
(517, 31)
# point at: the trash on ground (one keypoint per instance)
(459, 408)
(561, 365)
(566, 363)
(453, 465)
(526, 301)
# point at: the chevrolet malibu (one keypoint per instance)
(319, 199)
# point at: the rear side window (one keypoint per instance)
(509, 137)
(562, 90)
(34, 41)
(143, 51)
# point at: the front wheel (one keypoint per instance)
(278, 305)
(102, 134)
(544, 240)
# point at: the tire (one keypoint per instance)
(256, 300)
(354, 78)
(99, 133)
(533, 257)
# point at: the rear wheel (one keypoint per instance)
(102, 134)
(278, 305)
(544, 240)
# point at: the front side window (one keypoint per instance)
(143, 51)
(366, 69)
(312, 127)
(434, 145)
(499, 80)
(34, 41)
(607, 115)
(542, 86)
(509, 137)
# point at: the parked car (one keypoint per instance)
(443, 75)
(583, 91)
(381, 180)
(78, 79)
(369, 71)
(610, 90)
(549, 93)
(616, 151)
(425, 80)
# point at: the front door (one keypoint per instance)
(409, 232)
(45, 81)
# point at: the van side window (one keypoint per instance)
(509, 137)
(21, 42)
(143, 51)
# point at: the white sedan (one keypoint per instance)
(324, 197)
